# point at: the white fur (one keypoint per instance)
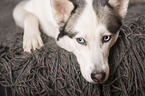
(28, 15)
(91, 57)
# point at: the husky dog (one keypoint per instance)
(87, 28)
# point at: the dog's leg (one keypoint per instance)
(30, 23)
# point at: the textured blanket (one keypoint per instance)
(52, 71)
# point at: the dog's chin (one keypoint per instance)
(97, 82)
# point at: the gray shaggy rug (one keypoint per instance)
(52, 71)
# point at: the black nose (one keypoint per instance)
(98, 76)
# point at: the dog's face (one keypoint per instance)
(89, 29)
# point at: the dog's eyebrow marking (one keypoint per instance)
(111, 7)
(63, 33)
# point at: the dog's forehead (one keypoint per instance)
(103, 12)
(100, 14)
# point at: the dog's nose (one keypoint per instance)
(98, 76)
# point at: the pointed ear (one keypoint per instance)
(62, 9)
(120, 7)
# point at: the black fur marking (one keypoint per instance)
(75, 5)
(100, 2)
(60, 35)
(113, 29)
(97, 3)
(111, 7)
(67, 28)
(114, 24)
(63, 33)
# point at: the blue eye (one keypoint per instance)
(106, 38)
(81, 41)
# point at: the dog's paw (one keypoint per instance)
(32, 41)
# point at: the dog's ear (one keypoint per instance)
(62, 9)
(120, 7)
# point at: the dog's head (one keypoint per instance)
(89, 28)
